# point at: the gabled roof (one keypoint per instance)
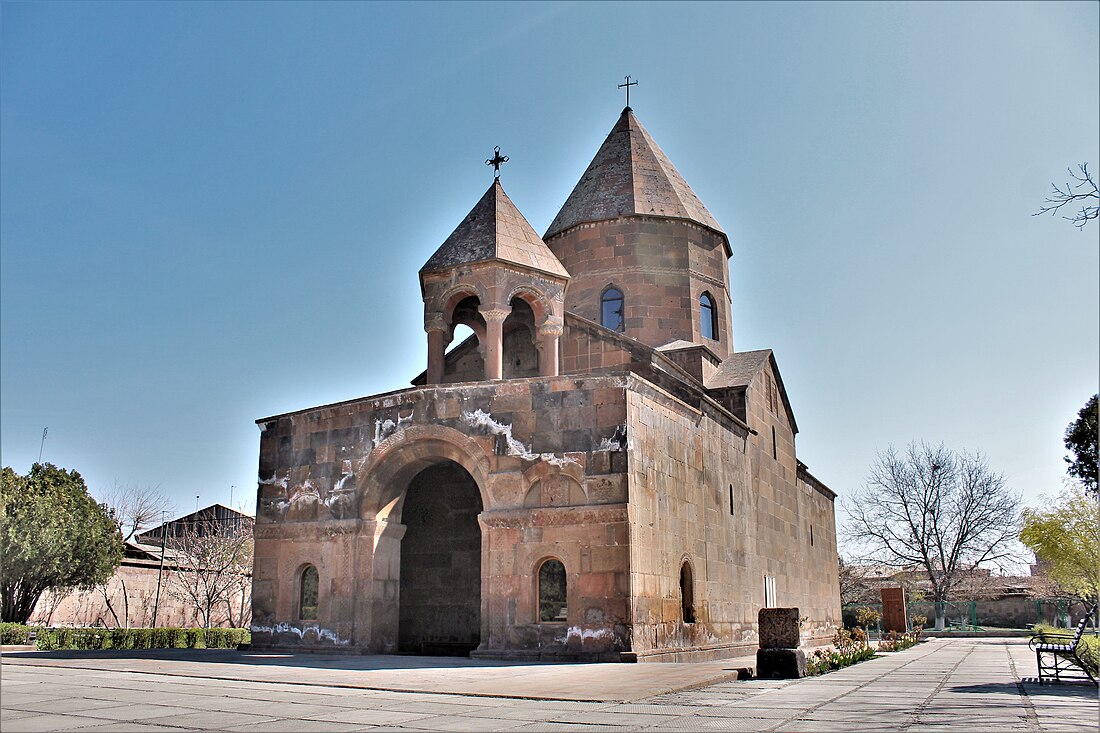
(630, 175)
(739, 369)
(495, 230)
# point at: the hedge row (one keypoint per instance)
(50, 639)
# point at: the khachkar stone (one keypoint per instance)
(893, 610)
(780, 636)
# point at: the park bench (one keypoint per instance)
(1064, 661)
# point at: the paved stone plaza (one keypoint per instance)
(942, 685)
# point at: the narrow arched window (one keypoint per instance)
(708, 322)
(552, 599)
(611, 309)
(687, 594)
(307, 594)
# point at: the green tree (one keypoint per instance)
(1066, 538)
(1081, 439)
(53, 534)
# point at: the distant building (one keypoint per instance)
(129, 598)
(596, 473)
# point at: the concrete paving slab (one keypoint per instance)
(971, 684)
(294, 726)
(406, 674)
(51, 722)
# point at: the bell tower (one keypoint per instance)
(495, 275)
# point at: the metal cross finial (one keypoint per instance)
(628, 85)
(496, 161)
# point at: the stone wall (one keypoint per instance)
(548, 456)
(128, 600)
(662, 266)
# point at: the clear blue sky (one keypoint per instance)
(215, 212)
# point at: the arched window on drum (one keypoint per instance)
(611, 309)
(708, 317)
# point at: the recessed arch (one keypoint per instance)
(456, 295)
(687, 592)
(540, 306)
(393, 463)
(551, 591)
(309, 583)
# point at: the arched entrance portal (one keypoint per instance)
(440, 596)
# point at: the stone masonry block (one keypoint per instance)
(779, 628)
(781, 664)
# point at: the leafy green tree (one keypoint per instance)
(1081, 439)
(53, 534)
(1065, 537)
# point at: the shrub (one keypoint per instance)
(895, 642)
(160, 638)
(849, 647)
(12, 633)
(867, 617)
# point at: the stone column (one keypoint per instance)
(437, 347)
(549, 338)
(494, 341)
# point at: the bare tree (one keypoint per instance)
(214, 563)
(1082, 191)
(137, 508)
(944, 512)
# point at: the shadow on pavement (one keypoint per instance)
(351, 662)
(1068, 690)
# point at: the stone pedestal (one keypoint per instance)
(780, 664)
(780, 636)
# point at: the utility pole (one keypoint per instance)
(42, 443)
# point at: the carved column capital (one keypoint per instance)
(435, 322)
(551, 329)
(495, 315)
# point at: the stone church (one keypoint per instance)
(594, 474)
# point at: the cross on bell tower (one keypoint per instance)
(497, 161)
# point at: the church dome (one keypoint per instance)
(630, 175)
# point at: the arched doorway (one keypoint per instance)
(440, 581)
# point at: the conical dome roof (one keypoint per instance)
(630, 175)
(495, 230)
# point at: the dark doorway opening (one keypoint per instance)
(440, 601)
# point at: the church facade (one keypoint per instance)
(594, 474)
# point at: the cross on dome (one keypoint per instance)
(628, 84)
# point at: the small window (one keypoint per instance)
(552, 591)
(708, 323)
(687, 592)
(731, 500)
(307, 594)
(769, 591)
(611, 309)
(811, 535)
(775, 445)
